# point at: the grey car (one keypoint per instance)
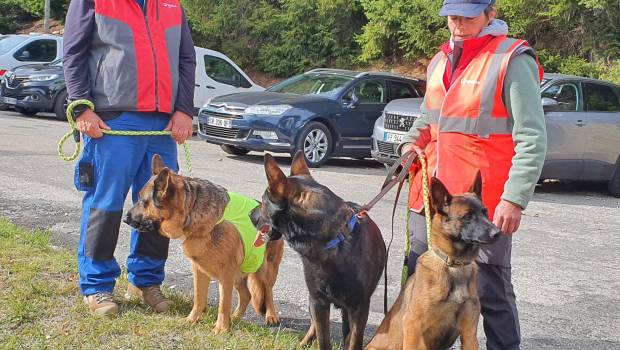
(583, 129)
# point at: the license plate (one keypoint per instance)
(391, 137)
(10, 100)
(223, 123)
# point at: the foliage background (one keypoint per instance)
(284, 37)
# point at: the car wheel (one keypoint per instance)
(614, 183)
(60, 105)
(26, 111)
(315, 141)
(234, 150)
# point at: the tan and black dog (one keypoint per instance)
(193, 210)
(343, 254)
(440, 301)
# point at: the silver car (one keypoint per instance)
(583, 129)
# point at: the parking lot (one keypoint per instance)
(565, 257)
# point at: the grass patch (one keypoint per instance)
(41, 307)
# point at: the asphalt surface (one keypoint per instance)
(565, 256)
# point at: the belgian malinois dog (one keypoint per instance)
(440, 300)
(343, 254)
(195, 211)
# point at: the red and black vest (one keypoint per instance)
(134, 63)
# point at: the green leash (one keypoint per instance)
(427, 211)
(75, 132)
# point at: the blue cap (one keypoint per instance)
(465, 8)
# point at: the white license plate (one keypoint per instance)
(10, 100)
(391, 137)
(223, 123)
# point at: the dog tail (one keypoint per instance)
(257, 290)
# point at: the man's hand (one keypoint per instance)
(507, 217)
(181, 126)
(90, 124)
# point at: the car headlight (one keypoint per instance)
(42, 77)
(267, 109)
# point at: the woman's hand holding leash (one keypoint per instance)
(180, 126)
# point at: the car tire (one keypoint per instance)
(26, 111)
(614, 183)
(60, 105)
(234, 150)
(315, 140)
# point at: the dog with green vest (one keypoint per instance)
(217, 234)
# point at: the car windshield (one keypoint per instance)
(8, 42)
(313, 84)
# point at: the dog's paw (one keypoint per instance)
(272, 320)
(219, 329)
(193, 317)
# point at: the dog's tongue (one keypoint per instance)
(260, 236)
(259, 240)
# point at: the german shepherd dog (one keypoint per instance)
(342, 264)
(190, 209)
(440, 301)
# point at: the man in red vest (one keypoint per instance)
(482, 112)
(135, 61)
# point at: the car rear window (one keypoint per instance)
(8, 42)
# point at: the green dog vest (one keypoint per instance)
(238, 212)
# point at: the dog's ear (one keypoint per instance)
(440, 197)
(162, 187)
(275, 177)
(476, 187)
(299, 165)
(157, 164)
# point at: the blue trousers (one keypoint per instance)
(498, 303)
(109, 166)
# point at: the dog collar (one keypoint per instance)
(341, 237)
(449, 261)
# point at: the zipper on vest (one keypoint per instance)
(148, 31)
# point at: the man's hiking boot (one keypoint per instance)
(101, 304)
(151, 295)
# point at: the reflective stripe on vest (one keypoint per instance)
(470, 127)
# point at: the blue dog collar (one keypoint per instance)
(341, 237)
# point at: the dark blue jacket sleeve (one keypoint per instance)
(187, 71)
(79, 26)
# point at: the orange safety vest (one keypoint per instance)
(470, 126)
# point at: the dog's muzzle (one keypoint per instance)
(140, 224)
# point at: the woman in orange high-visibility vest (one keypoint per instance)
(482, 112)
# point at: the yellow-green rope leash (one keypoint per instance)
(78, 147)
(427, 211)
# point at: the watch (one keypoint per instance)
(78, 110)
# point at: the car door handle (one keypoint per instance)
(580, 123)
(197, 85)
(210, 87)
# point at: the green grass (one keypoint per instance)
(41, 308)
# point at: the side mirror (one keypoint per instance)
(549, 103)
(351, 102)
(24, 55)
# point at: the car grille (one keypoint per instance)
(223, 115)
(14, 82)
(398, 122)
(386, 147)
(218, 131)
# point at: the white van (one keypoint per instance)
(218, 75)
(20, 49)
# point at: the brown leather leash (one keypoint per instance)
(397, 174)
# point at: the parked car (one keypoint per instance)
(18, 50)
(35, 88)
(583, 129)
(323, 112)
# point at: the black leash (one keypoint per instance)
(396, 175)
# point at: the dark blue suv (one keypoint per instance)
(324, 112)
